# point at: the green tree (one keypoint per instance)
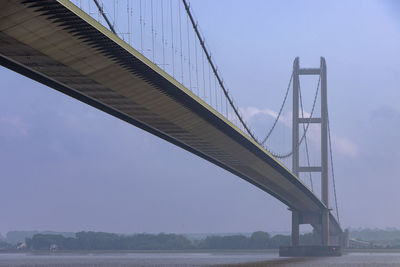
(44, 241)
(259, 240)
(280, 240)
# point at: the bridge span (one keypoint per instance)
(59, 45)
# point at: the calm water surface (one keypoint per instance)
(193, 259)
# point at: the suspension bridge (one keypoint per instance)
(147, 62)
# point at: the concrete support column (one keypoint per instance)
(344, 239)
(295, 228)
(295, 147)
(324, 135)
(295, 118)
(324, 153)
(325, 228)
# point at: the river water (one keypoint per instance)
(193, 259)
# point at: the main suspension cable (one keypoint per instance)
(279, 113)
(101, 10)
(208, 57)
(220, 81)
(214, 69)
(288, 154)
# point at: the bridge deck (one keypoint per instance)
(57, 44)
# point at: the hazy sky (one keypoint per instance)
(68, 167)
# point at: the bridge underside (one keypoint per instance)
(55, 43)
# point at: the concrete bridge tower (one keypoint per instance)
(320, 220)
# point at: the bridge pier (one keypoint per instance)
(314, 219)
(295, 237)
(325, 234)
(324, 243)
(344, 239)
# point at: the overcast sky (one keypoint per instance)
(68, 167)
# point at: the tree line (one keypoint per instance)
(111, 241)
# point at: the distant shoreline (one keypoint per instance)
(362, 241)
